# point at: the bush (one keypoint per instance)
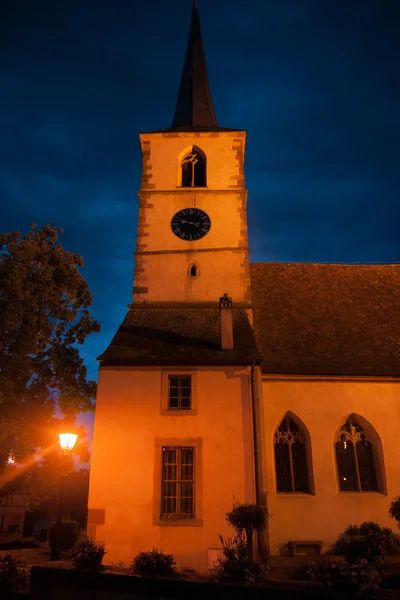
(367, 540)
(86, 554)
(236, 566)
(248, 518)
(394, 509)
(19, 543)
(154, 563)
(359, 576)
(63, 536)
(13, 577)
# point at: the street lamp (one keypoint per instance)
(67, 443)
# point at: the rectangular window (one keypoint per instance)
(179, 392)
(178, 483)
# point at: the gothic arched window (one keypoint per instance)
(193, 169)
(291, 458)
(355, 459)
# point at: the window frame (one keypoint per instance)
(353, 437)
(169, 521)
(189, 158)
(180, 396)
(174, 412)
(302, 435)
(178, 481)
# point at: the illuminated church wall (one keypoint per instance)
(319, 408)
(125, 480)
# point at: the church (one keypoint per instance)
(268, 383)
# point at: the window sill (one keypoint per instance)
(357, 494)
(178, 522)
(295, 494)
(176, 412)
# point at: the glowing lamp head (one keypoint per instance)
(67, 441)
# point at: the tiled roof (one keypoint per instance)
(320, 319)
(180, 336)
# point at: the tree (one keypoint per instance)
(248, 518)
(44, 302)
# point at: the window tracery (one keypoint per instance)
(291, 458)
(355, 459)
(193, 169)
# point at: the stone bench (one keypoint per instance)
(294, 546)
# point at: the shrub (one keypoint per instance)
(359, 576)
(394, 509)
(154, 563)
(248, 518)
(236, 566)
(86, 554)
(13, 577)
(367, 540)
(19, 543)
(64, 535)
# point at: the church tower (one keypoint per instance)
(192, 231)
(174, 422)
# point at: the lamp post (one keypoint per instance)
(67, 443)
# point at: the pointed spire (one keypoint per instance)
(194, 108)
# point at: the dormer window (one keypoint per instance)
(193, 169)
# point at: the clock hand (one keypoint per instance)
(192, 223)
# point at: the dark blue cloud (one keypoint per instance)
(315, 83)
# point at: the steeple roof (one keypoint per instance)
(194, 109)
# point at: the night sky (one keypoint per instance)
(314, 82)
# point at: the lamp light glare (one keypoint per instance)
(68, 440)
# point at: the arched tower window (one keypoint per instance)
(193, 169)
(193, 271)
(291, 458)
(355, 459)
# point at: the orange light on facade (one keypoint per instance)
(67, 441)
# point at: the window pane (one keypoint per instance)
(282, 467)
(186, 382)
(346, 466)
(187, 174)
(199, 173)
(173, 382)
(299, 461)
(366, 466)
(185, 403)
(186, 507)
(174, 402)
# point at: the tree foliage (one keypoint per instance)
(44, 302)
(394, 509)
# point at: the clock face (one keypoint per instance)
(190, 224)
